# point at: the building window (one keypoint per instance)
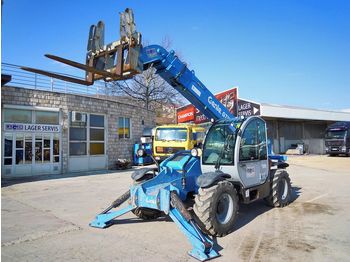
(17, 116)
(8, 149)
(19, 149)
(124, 127)
(97, 121)
(87, 137)
(77, 137)
(97, 135)
(46, 117)
(46, 149)
(77, 149)
(56, 148)
(28, 149)
(97, 148)
(25, 116)
(77, 133)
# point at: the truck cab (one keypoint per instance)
(169, 139)
(337, 139)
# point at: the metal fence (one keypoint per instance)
(25, 79)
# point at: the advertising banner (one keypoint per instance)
(186, 114)
(190, 113)
(248, 108)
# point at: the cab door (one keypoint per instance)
(252, 162)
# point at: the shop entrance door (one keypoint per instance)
(28, 154)
(22, 153)
(42, 153)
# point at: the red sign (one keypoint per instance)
(186, 114)
(190, 113)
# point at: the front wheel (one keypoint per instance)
(216, 208)
(281, 190)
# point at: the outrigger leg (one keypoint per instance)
(202, 245)
(104, 219)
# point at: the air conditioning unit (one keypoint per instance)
(78, 117)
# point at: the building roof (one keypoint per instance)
(293, 112)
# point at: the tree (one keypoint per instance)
(149, 88)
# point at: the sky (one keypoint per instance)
(280, 52)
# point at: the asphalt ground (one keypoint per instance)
(46, 219)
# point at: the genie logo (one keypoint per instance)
(214, 105)
(151, 52)
(150, 201)
(217, 107)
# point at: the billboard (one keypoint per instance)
(248, 108)
(186, 114)
(189, 113)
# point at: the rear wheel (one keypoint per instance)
(281, 190)
(216, 208)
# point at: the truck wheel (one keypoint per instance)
(281, 190)
(143, 212)
(147, 213)
(216, 208)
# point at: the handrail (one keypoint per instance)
(24, 79)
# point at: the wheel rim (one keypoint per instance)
(224, 210)
(283, 189)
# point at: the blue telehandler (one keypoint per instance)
(201, 189)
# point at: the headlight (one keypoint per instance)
(343, 148)
(141, 152)
(196, 152)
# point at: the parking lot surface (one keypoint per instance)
(47, 220)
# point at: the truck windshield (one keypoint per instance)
(338, 134)
(219, 143)
(171, 134)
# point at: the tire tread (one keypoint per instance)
(204, 205)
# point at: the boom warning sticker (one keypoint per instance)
(195, 89)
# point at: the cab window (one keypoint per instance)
(253, 142)
(219, 145)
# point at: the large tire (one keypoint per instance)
(216, 208)
(146, 213)
(281, 190)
